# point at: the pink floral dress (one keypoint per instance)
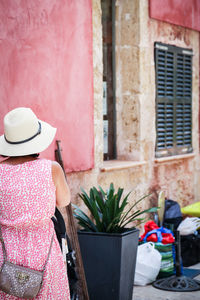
(27, 203)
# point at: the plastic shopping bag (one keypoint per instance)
(189, 226)
(148, 264)
(167, 252)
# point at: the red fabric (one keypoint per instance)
(150, 225)
(167, 238)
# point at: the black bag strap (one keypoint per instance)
(5, 253)
(61, 228)
(61, 222)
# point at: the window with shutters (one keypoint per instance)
(173, 66)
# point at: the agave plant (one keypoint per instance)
(107, 210)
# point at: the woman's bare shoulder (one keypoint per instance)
(62, 189)
(57, 171)
(56, 166)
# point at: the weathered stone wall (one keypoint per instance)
(135, 109)
(178, 178)
(127, 79)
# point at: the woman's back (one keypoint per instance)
(27, 203)
(27, 193)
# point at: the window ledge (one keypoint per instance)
(173, 158)
(111, 165)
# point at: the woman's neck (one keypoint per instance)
(18, 159)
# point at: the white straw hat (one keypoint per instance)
(24, 134)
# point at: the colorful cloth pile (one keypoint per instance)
(153, 233)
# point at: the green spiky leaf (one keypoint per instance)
(108, 210)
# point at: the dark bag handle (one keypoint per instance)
(61, 228)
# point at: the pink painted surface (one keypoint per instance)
(185, 13)
(46, 64)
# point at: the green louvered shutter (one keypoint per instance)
(173, 66)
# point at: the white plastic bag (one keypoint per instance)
(189, 225)
(148, 264)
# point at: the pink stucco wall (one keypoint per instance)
(185, 13)
(46, 64)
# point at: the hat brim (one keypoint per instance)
(38, 144)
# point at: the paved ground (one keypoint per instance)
(150, 293)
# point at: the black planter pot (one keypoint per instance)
(109, 263)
